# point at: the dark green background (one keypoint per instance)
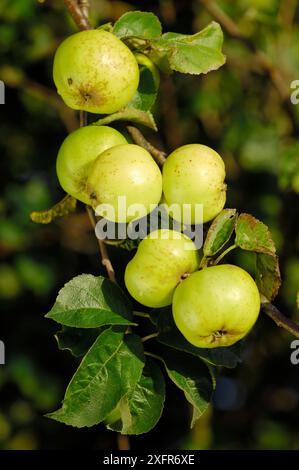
(238, 111)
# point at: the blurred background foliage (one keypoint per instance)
(243, 110)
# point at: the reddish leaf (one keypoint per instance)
(253, 235)
(268, 277)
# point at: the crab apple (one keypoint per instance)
(124, 183)
(77, 153)
(216, 306)
(94, 71)
(162, 260)
(194, 174)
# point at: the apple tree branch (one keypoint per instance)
(281, 320)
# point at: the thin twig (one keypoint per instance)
(151, 336)
(281, 320)
(77, 14)
(154, 356)
(84, 6)
(103, 249)
(139, 139)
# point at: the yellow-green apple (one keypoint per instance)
(216, 306)
(95, 71)
(162, 260)
(77, 153)
(194, 174)
(124, 183)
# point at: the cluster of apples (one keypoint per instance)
(216, 306)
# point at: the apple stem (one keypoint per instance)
(280, 320)
(151, 336)
(158, 155)
(154, 356)
(204, 262)
(220, 257)
(141, 314)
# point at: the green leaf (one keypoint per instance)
(211, 36)
(253, 235)
(146, 94)
(220, 232)
(192, 376)
(89, 302)
(193, 54)
(172, 337)
(61, 209)
(76, 340)
(142, 409)
(130, 114)
(268, 277)
(110, 370)
(143, 25)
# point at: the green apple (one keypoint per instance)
(216, 306)
(124, 183)
(96, 72)
(194, 174)
(162, 260)
(77, 153)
